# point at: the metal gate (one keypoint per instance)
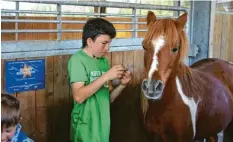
(22, 49)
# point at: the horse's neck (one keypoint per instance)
(186, 80)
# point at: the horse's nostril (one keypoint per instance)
(158, 86)
(144, 85)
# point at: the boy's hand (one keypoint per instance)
(127, 76)
(115, 72)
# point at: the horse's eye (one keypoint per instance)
(175, 49)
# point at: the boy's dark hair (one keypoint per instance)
(10, 112)
(95, 27)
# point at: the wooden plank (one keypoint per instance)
(217, 36)
(230, 38)
(225, 38)
(59, 110)
(65, 93)
(117, 59)
(44, 105)
(43, 124)
(138, 66)
(27, 107)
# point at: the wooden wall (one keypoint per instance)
(223, 37)
(46, 112)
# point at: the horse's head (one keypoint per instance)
(165, 45)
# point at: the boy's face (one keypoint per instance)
(100, 46)
(7, 133)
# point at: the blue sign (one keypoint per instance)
(24, 75)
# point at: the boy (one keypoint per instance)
(10, 115)
(89, 77)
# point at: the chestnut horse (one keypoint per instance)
(184, 103)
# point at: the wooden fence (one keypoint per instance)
(223, 37)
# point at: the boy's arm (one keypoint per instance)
(117, 91)
(114, 93)
(81, 92)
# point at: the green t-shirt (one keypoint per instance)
(90, 121)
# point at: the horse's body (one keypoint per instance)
(195, 102)
(173, 121)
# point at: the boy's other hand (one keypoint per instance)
(115, 72)
(127, 76)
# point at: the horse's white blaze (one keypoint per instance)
(190, 102)
(158, 44)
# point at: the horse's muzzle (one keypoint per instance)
(152, 90)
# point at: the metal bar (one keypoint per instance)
(113, 22)
(28, 11)
(28, 21)
(79, 13)
(191, 20)
(109, 4)
(96, 14)
(56, 21)
(59, 24)
(134, 19)
(64, 21)
(22, 49)
(46, 45)
(16, 18)
(176, 3)
(59, 52)
(56, 31)
(30, 31)
(225, 12)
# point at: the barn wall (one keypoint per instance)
(46, 112)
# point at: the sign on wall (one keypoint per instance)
(24, 75)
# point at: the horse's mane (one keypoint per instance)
(168, 28)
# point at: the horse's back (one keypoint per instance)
(222, 70)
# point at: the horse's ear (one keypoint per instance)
(150, 17)
(181, 21)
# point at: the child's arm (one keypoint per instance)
(81, 92)
(124, 82)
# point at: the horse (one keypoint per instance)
(183, 103)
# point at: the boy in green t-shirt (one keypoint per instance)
(90, 77)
